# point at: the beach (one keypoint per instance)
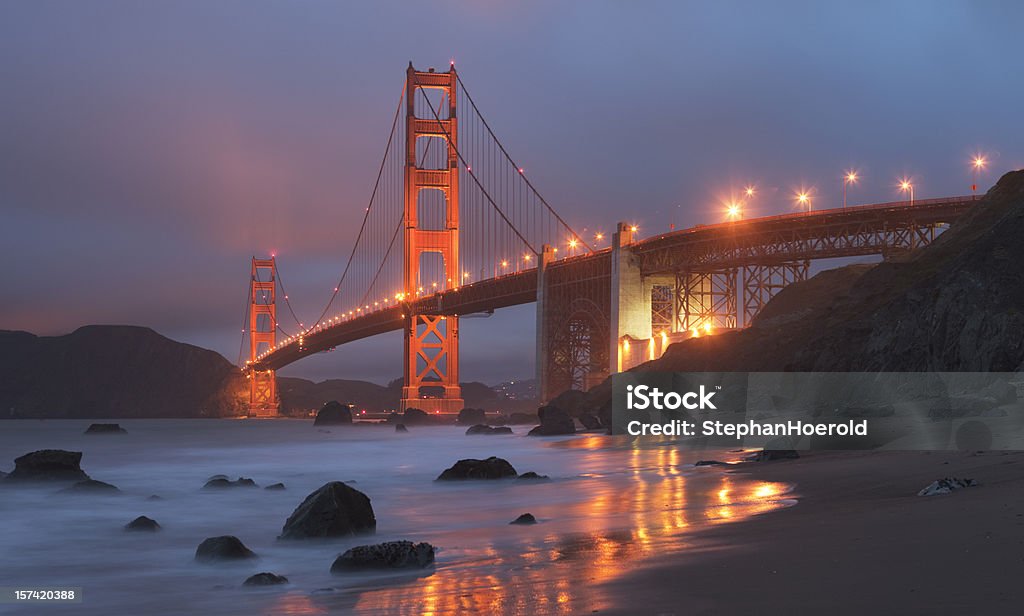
(859, 541)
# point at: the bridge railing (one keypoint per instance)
(853, 209)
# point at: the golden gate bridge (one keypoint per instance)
(477, 236)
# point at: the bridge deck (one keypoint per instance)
(853, 231)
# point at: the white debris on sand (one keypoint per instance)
(946, 485)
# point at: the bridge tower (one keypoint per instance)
(431, 367)
(263, 400)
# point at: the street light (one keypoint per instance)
(906, 186)
(803, 198)
(849, 178)
(978, 165)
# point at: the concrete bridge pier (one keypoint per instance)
(630, 306)
(543, 330)
(642, 309)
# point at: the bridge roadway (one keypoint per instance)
(845, 232)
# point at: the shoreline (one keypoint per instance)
(856, 513)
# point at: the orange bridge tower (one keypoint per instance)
(431, 367)
(262, 337)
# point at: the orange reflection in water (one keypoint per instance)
(558, 568)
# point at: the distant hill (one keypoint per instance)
(301, 395)
(114, 371)
(121, 371)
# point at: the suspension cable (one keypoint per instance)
(284, 293)
(366, 216)
(521, 173)
(477, 181)
(273, 318)
(394, 236)
(245, 323)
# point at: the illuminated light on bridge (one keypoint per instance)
(598, 311)
(734, 211)
(906, 186)
(977, 166)
(850, 178)
(803, 199)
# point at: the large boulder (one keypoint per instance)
(401, 428)
(485, 429)
(333, 413)
(275, 487)
(142, 524)
(491, 468)
(225, 547)
(553, 421)
(469, 417)
(334, 510)
(265, 579)
(222, 483)
(90, 486)
(416, 417)
(525, 519)
(48, 465)
(105, 428)
(572, 401)
(387, 555)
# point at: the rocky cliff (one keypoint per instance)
(114, 371)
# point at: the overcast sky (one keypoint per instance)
(147, 149)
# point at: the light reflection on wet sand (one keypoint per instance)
(558, 567)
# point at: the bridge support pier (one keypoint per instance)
(706, 301)
(762, 282)
(627, 297)
(638, 310)
(543, 325)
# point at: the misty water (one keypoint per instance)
(611, 506)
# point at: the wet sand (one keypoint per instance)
(860, 541)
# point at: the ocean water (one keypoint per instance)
(612, 504)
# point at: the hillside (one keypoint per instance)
(114, 371)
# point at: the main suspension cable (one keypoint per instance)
(477, 181)
(366, 216)
(521, 173)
